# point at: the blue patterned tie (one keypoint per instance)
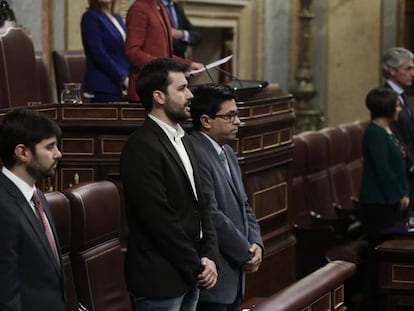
(172, 16)
(223, 159)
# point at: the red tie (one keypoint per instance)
(43, 221)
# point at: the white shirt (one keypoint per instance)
(219, 149)
(118, 26)
(175, 135)
(214, 143)
(23, 186)
(397, 90)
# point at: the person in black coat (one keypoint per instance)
(183, 32)
(31, 269)
(398, 70)
(172, 244)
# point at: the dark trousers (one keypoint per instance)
(211, 306)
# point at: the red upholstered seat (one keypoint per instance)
(17, 59)
(339, 176)
(300, 208)
(319, 194)
(69, 67)
(322, 233)
(353, 160)
(95, 251)
(60, 208)
(44, 80)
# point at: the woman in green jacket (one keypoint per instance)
(384, 186)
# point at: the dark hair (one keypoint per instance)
(208, 99)
(154, 76)
(27, 127)
(381, 102)
(97, 6)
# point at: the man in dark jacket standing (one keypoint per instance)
(172, 244)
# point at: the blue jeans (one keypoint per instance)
(185, 302)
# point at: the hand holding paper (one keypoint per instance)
(211, 65)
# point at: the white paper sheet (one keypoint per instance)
(211, 65)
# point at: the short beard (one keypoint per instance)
(38, 173)
(173, 115)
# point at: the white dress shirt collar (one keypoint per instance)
(172, 133)
(395, 87)
(213, 142)
(23, 186)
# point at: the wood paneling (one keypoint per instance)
(396, 275)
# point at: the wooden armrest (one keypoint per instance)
(309, 289)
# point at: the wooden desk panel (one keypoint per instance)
(396, 274)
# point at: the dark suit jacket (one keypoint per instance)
(30, 276)
(148, 37)
(233, 218)
(164, 217)
(404, 129)
(106, 64)
(180, 46)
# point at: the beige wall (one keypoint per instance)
(353, 57)
(75, 9)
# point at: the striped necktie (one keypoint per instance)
(44, 223)
(172, 15)
(223, 158)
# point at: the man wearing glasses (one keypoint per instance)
(215, 124)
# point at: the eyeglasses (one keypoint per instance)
(231, 117)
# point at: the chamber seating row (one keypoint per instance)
(87, 219)
(326, 174)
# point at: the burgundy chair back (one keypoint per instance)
(96, 252)
(44, 80)
(353, 160)
(60, 209)
(318, 189)
(300, 206)
(69, 67)
(19, 82)
(339, 176)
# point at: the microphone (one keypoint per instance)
(230, 75)
(239, 82)
(209, 74)
(241, 88)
